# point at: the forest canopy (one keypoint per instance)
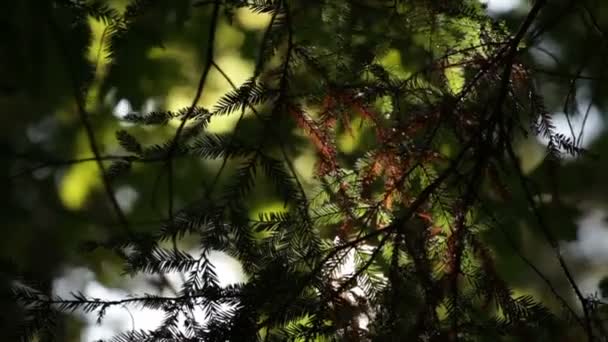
(377, 170)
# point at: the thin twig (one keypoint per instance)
(213, 22)
(69, 60)
(551, 240)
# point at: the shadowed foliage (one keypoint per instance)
(385, 135)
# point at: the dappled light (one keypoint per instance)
(290, 170)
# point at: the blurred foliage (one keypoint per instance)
(117, 78)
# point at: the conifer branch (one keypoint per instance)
(394, 195)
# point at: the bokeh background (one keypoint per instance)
(53, 200)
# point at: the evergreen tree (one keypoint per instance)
(413, 111)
